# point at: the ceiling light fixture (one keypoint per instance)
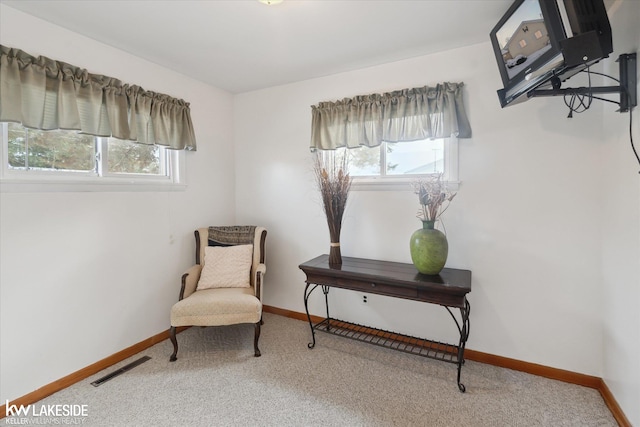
(270, 2)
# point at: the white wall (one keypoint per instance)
(85, 275)
(621, 232)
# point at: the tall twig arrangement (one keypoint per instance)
(334, 183)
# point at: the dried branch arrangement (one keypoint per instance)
(334, 183)
(434, 197)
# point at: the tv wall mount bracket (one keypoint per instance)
(628, 87)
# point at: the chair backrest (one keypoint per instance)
(232, 235)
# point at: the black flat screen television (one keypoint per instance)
(540, 43)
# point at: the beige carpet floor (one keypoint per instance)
(216, 381)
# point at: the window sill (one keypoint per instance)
(104, 185)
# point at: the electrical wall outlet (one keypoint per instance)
(365, 299)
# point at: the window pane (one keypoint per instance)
(416, 157)
(16, 146)
(43, 154)
(130, 157)
(364, 161)
(50, 150)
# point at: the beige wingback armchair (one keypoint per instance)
(225, 285)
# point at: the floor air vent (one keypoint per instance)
(122, 370)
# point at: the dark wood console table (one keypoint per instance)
(448, 289)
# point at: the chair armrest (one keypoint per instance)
(190, 281)
(258, 278)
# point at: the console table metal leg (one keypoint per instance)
(464, 334)
(463, 329)
(325, 291)
(308, 292)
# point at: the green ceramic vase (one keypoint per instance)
(429, 249)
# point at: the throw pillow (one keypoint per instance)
(226, 267)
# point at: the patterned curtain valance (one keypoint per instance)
(46, 94)
(403, 115)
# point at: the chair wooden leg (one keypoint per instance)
(255, 340)
(174, 341)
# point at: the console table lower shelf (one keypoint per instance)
(408, 344)
(394, 280)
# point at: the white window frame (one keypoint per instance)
(400, 182)
(12, 180)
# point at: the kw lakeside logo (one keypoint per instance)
(46, 414)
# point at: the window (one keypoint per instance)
(396, 164)
(398, 159)
(69, 157)
(523, 43)
(395, 137)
